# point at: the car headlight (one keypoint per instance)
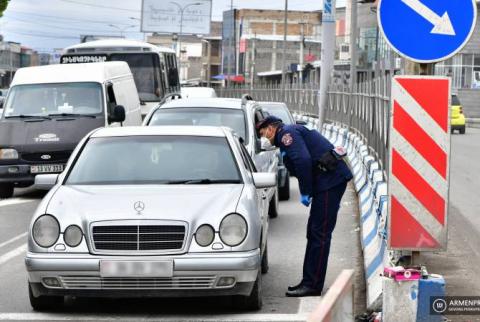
(8, 154)
(233, 230)
(73, 236)
(46, 231)
(205, 235)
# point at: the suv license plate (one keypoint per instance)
(136, 268)
(47, 168)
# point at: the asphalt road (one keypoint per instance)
(286, 251)
(459, 264)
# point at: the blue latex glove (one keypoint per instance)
(284, 153)
(306, 200)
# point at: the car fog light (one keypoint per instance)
(13, 170)
(226, 281)
(51, 282)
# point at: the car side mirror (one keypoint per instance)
(118, 115)
(264, 180)
(301, 123)
(45, 181)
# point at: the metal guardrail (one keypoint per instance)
(365, 112)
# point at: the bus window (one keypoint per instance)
(146, 73)
(173, 80)
(163, 73)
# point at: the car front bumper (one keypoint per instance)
(16, 173)
(193, 275)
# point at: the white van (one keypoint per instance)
(49, 109)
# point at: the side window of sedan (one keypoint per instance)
(251, 165)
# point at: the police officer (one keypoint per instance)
(323, 189)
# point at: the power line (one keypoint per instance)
(56, 26)
(99, 6)
(69, 20)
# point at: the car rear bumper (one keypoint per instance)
(193, 275)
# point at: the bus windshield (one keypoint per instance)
(146, 70)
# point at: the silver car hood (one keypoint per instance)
(189, 203)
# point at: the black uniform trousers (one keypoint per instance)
(322, 221)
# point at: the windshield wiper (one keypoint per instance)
(203, 181)
(73, 115)
(24, 116)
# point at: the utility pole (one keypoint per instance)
(353, 50)
(230, 49)
(254, 54)
(327, 56)
(284, 60)
(302, 51)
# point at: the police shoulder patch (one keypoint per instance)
(287, 139)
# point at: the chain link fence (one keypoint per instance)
(365, 112)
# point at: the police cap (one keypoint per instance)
(269, 120)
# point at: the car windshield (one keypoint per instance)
(145, 70)
(155, 160)
(48, 99)
(203, 116)
(279, 111)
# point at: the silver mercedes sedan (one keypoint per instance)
(151, 212)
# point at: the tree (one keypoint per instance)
(3, 6)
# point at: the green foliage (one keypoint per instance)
(3, 6)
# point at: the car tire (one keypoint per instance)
(462, 130)
(265, 266)
(6, 190)
(284, 192)
(43, 303)
(252, 302)
(273, 206)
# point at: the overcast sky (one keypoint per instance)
(48, 24)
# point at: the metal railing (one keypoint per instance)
(365, 112)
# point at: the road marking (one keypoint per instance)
(15, 201)
(12, 254)
(91, 317)
(14, 239)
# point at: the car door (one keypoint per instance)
(261, 194)
(266, 161)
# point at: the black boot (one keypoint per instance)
(304, 291)
(293, 288)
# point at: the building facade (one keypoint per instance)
(252, 42)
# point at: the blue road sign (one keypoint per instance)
(427, 31)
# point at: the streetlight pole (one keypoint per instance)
(139, 20)
(122, 30)
(182, 10)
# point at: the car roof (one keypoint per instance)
(115, 45)
(232, 103)
(207, 131)
(68, 73)
(273, 104)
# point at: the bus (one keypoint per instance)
(154, 69)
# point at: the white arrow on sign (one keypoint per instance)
(441, 25)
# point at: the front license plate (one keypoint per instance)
(136, 269)
(47, 168)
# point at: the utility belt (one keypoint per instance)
(330, 160)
